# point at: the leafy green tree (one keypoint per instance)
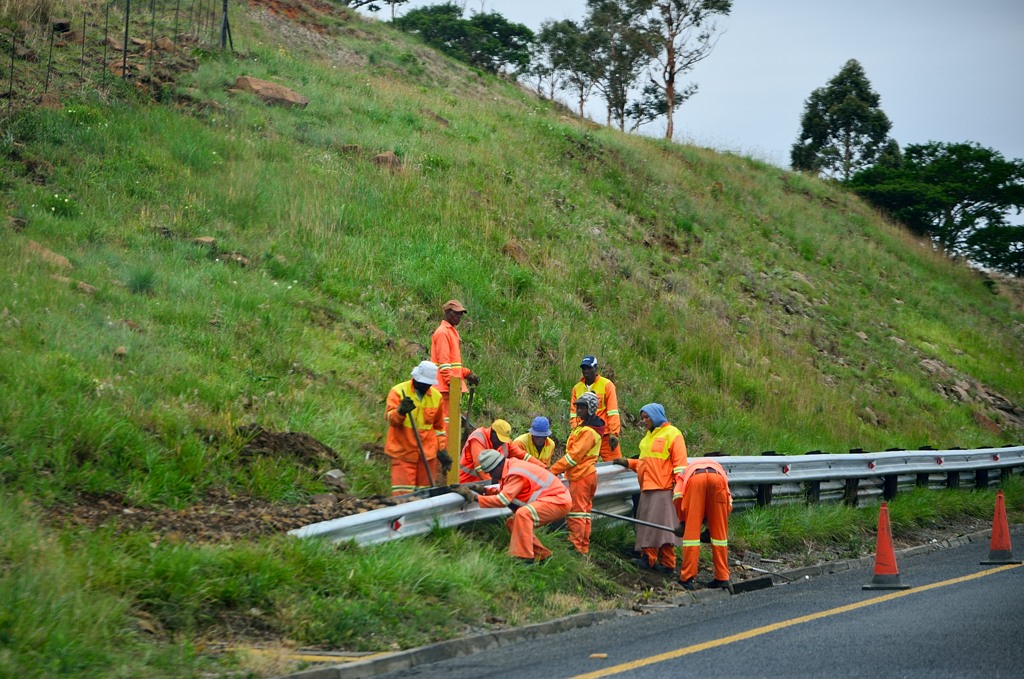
(622, 47)
(651, 105)
(541, 72)
(571, 51)
(486, 40)
(843, 129)
(999, 247)
(375, 5)
(960, 195)
(683, 33)
(504, 43)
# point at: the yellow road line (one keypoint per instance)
(758, 631)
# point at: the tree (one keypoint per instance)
(541, 72)
(683, 33)
(843, 129)
(959, 195)
(999, 247)
(621, 48)
(651, 105)
(571, 51)
(503, 42)
(375, 5)
(486, 40)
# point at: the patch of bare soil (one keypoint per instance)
(219, 517)
(223, 516)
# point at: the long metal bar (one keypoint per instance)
(630, 519)
(616, 487)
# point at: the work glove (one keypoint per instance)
(406, 406)
(444, 458)
(678, 530)
(472, 380)
(621, 461)
(613, 442)
(465, 492)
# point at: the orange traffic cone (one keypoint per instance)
(887, 576)
(1000, 551)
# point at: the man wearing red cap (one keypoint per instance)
(446, 352)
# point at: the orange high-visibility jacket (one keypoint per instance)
(530, 452)
(662, 456)
(401, 441)
(479, 441)
(469, 460)
(525, 483)
(683, 479)
(446, 352)
(607, 404)
(582, 449)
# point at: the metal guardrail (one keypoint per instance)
(752, 480)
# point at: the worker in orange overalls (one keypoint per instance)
(579, 463)
(446, 352)
(702, 494)
(497, 436)
(607, 406)
(537, 497)
(415, 403)
(662, 456)
(535, 444)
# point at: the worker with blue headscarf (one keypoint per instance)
(662, 456)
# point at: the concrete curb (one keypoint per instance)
(476, 643)
(454, 648)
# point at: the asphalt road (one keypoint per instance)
(959, 619)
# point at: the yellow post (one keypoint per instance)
(454, 427)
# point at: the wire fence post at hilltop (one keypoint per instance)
(10, 86)
(49, 61)
(225, 29)
(124, 45)
(81, 63)
(152, 37)
(177, 12)
(106, 34)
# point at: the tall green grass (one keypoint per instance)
(730, 291)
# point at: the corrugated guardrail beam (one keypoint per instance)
(787, 478)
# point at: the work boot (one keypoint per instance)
(662, 568)
(643, 564)
(718, 584)
(524, 561)
(690, 584)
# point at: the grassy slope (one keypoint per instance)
(726, 289)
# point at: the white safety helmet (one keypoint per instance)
(425, 373)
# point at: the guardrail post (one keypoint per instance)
(850, 493)
(981, 478)
(812, 492)
(764, 494)
(889, 486)
(922, 480)
(952, 479)
(1005, 473)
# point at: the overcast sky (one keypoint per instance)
(946, 70)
